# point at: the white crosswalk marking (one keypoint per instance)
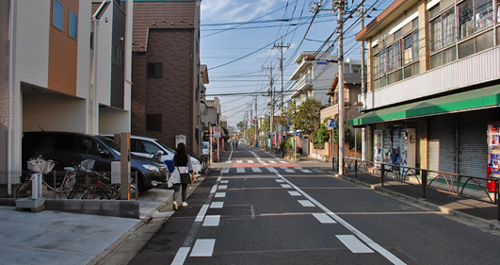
(251, 161)
(287, 170)
(222, 187)
(225, 171)
(224, 181)
(294, 193)
(283, 162)
(306, 203)
(305, 170)
(272, 162)
(256, 170)
(181, 255)
(220, 195)
(354, 244)
(211, 220)
(324, 218)
(203, 248)
(239, 161)
(217, 205)
(272, 169)
(240, 170)
(280, 181)
(286, 186)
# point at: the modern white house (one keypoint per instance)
(315, 73)
(65, 67)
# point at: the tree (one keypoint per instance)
(241, 126)
(307, 116)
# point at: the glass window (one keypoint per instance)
(397, 34)
(57, 14)
(88, 146)
(450, 55)
(449, 27)
(484, 41)
(73, 25)
(415, 23)
(411, 47)
(394, 56)
(436, 60)
(467, 48)
(151, 148)
(466, 18)
(65, 142)
(483, 13)
(434, 10)
(436, 34)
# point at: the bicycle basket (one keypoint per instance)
(40, 165)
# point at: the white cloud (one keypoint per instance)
(236, 11)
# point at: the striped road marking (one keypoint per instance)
(239, 161)
(222, 187)
(256, 170)
(294, 193)
(214, 188)
(305, 170)
(202, 213)
(324, 218)
(280, 181)
(181, 255)
(225, 171)
(224, 181)
(203, 248)
(271, 161)
(220, 195)
(211, 220)
(287, 170)
(272, 169)
(306, 203)
(286, 186)
(354, 244)
(217, 205)
(240, 170)
(251, 161)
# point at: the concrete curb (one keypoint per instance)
(429, 205)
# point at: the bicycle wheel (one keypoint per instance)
(24, 190)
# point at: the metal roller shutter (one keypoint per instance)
(472, 147)
(441, 143)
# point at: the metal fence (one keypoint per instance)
(476, 188)
(71, 184)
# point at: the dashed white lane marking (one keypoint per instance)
(272, 169)
(286, 186)
(220, 195)
(280, 181)
(201, 213)
(217, 205)
(214, 188)
(324, 218)
(306, 203)
(203, 248)
(294, 193)
(354, 244)
(222, 187)
(256, 170)
(240, 170)
(224, 181)
(225, 171)
(251, 161)
(239, 161)
(211, 220)
(181, 255)
(219, 178)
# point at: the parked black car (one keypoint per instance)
(67, 148)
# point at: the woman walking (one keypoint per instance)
(181, 159)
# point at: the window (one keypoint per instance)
(411, 47)
(155, 70)
(474, 15)
(394, 55)
(73, 25)
(443, 30)
(153, 122)
(57, 14)
(88, 146)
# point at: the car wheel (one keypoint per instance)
(140, 185)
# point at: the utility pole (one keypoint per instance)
(363, 88)
(256, 123)
(339, 5)
(271, 89)
(281, 46)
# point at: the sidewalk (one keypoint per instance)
(52, 237)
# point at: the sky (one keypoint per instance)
(240, 42)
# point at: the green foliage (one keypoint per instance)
(320, 137)
(285, 145)
(307, 116)
(241, 126)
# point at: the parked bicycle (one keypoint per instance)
(40, 165)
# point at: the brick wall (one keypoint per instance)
(63, 53)
(171, 95)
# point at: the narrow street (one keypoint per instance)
(259, 209)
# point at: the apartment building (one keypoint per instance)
(63, 69)
(315, 73)
(167, 80)
(433, 91)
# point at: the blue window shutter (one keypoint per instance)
(73, 25)
(58, 15)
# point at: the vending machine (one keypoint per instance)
(493, 170)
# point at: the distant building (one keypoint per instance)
(167, 76)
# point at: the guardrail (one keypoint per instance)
(451, 183)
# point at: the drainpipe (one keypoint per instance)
(11, 77)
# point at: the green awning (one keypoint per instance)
(468, 100)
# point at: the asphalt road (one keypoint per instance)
(258, 209)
